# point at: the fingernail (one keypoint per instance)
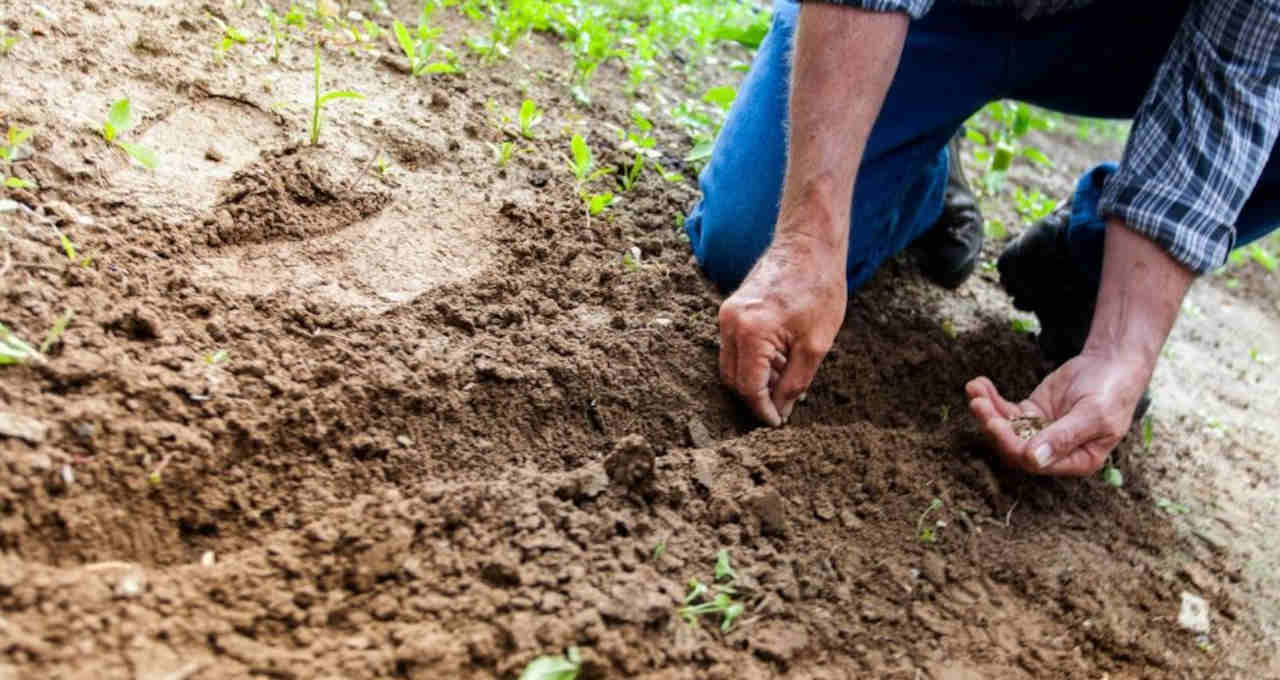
(786, 411)
(1043, 455)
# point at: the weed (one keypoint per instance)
(120, 120)
(322, 99)
(7, 41)
(554, 667)
(503, 152)
(633, 173)
(530, 115)
(1148, 431)
(1033, 206)
(718, 599)
(659, 549)
(15, 350)
(1022, 325)
(993, 227)
(928, 534)
(1171, 506)
(1112, 475)
(422, 44)
(13, 139)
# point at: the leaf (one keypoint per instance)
(732, 612)
(67, 247)
(700, 151)
(120, 117)
(1002, 158)
(551, 668)
(441, 67)
(1022, 120)
(406, 43)
(724, 570)
(974, 136)
(17, 183)
(1112, 476)
(18, 135)
(1148, 431)
(339, 94)
(144, 156)
(722, 96)
(1262, 257)
(59, 327)
(598, 202)
(528, 117)
(581, 156)
(1037, 156)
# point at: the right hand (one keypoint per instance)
(778, 326)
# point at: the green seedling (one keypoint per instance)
(55, 333)
(633, 173)
(724, 569)
(277, 36)
(994, 229)
(530, 115)
(231, 36)
(120, 120)
(13, 139)
(928, 534)
(219, 357)
(17, 183)
(322, 99)
(15, 350)
(1148, 431)
(1021, 325)
(1033, 206)
(659, 549)
(720, 96)
(596, 203)
(7, 41)
(382, 165)
(722, 604)
(1171, 506)
(1112, 475)
(629, 262)
(421, 45)
(503, 152)
(554, 667)
(1260, 255)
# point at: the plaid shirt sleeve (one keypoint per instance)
(1204, 132)
(914, 8)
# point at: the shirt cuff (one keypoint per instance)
(914, 8)
(1196, 237)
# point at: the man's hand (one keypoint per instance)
(1087, 404)
(777, 327)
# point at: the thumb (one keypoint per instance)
(802, 365)
(1061, 448)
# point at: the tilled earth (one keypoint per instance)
(453, 430)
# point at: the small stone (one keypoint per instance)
(1194, 615)
(68, 475)
(824, 509)
(404, 440)
(22, 427)
(208, 559)
(699, 435)
(132, 584)
(212, 154)
(41, 462)
(631, 463)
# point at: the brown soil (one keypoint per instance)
(453, 429)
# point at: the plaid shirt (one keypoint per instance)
(1205, 130)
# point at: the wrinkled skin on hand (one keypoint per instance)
(1087, 405)
(779, 325)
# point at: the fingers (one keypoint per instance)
(983, 388)
(801, 366)
(1076, 444)
(997, 427)
(755, 375)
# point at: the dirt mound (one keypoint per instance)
(430, 421)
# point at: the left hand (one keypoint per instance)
(1087, 406)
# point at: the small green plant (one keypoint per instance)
(503, 152)
(1005, 124)
(994, 228)
(1171, 506)
(1023, 325)
(231, 36)
(1148, 431)
(554, 667)
(583, 166)
(7, 41)
(120, 120)
(633, 173)
(322, 99)
(659, 549)
(1112, 475)
(718, 599)
(277, 35)
(218, 357)
(530, 115)
(13, 139)
(1264, 259)
(928, 533)
(55, 333)
(15, 350)
(422, 44)
(1033, 206)
(596, 203)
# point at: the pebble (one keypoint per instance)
(21, 427)
(700, 435)
(132, 584)
(1194, 614)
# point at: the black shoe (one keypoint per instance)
(1039, 273)
(949, 251)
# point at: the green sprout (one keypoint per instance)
(15, 350)
(503, 152)
(1112, 475)
(231, 36)
(7, 41)
(554, 667)
(55, 333)
(633, 174)
(724, 569)
(1022, 325)
(120, 120)
(928, 534)
(13, 139)
(659, 549)
(1148, 431)
(322, 99)
(530, 115)
(420, 45)
(596, 203)
(703, 600)
(215, 358)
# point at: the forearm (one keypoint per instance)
(842, 65)
(1139, 298)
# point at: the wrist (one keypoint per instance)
(814, 214)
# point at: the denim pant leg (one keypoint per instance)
(951, 66)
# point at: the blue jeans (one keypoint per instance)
(1097, 62)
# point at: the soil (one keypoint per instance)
(452, 431)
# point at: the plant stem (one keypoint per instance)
(315, 108)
